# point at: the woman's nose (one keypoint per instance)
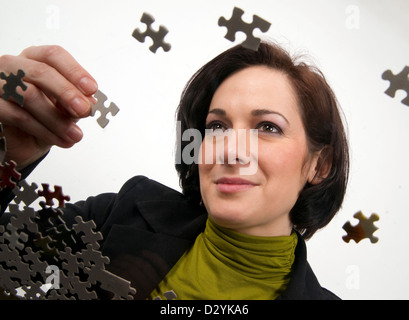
(241, 148)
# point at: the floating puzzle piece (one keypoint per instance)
(7, 173)
(156, 36)
(100, 106)
(56, 194)
(398, 82)
(236, 24)
(364, 229)
(12, 82)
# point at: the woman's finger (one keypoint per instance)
(64, 63)
(51, 82)
(51, 117)
(19, 118)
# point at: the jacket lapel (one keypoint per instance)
(145, 255)
(174, 217)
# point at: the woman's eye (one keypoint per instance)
(269, 128)
(215, 126)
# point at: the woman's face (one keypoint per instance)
(257, 204)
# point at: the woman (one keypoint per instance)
(229, 235)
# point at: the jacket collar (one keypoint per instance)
(179, 219)
(145, 255)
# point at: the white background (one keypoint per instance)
(353, 42)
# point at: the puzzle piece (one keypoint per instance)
(72, 265)
(364, 229)
(7, 173)
(56, 194)
(398, 82)
(63, 236)
(28, 195)
(18, 268)
(48, 217)
(80, 288)
(112, 283)
(87, 228)
(100, 106)
(65, 290)
(169, 295)
(15, 237)
(23, 219)
(12, 82)
(156, 36)
(46, 245)
(33, 259)
(236, 24)
(8, 282)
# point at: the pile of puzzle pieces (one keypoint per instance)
(34, 240)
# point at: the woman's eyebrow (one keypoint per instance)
(218, 111)
(254, 113)
(261, 112)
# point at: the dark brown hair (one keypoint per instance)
(317, 203)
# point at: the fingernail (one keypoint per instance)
(80, 107)
(75, 133)
(88, 86)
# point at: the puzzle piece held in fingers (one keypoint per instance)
(100, 106)
(10, 87)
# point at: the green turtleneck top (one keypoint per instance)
(224, 264)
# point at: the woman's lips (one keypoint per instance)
(232, 185)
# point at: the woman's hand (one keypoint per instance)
(59, 93)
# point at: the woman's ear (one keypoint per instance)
(321, 166)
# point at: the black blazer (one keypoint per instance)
(147, 227)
